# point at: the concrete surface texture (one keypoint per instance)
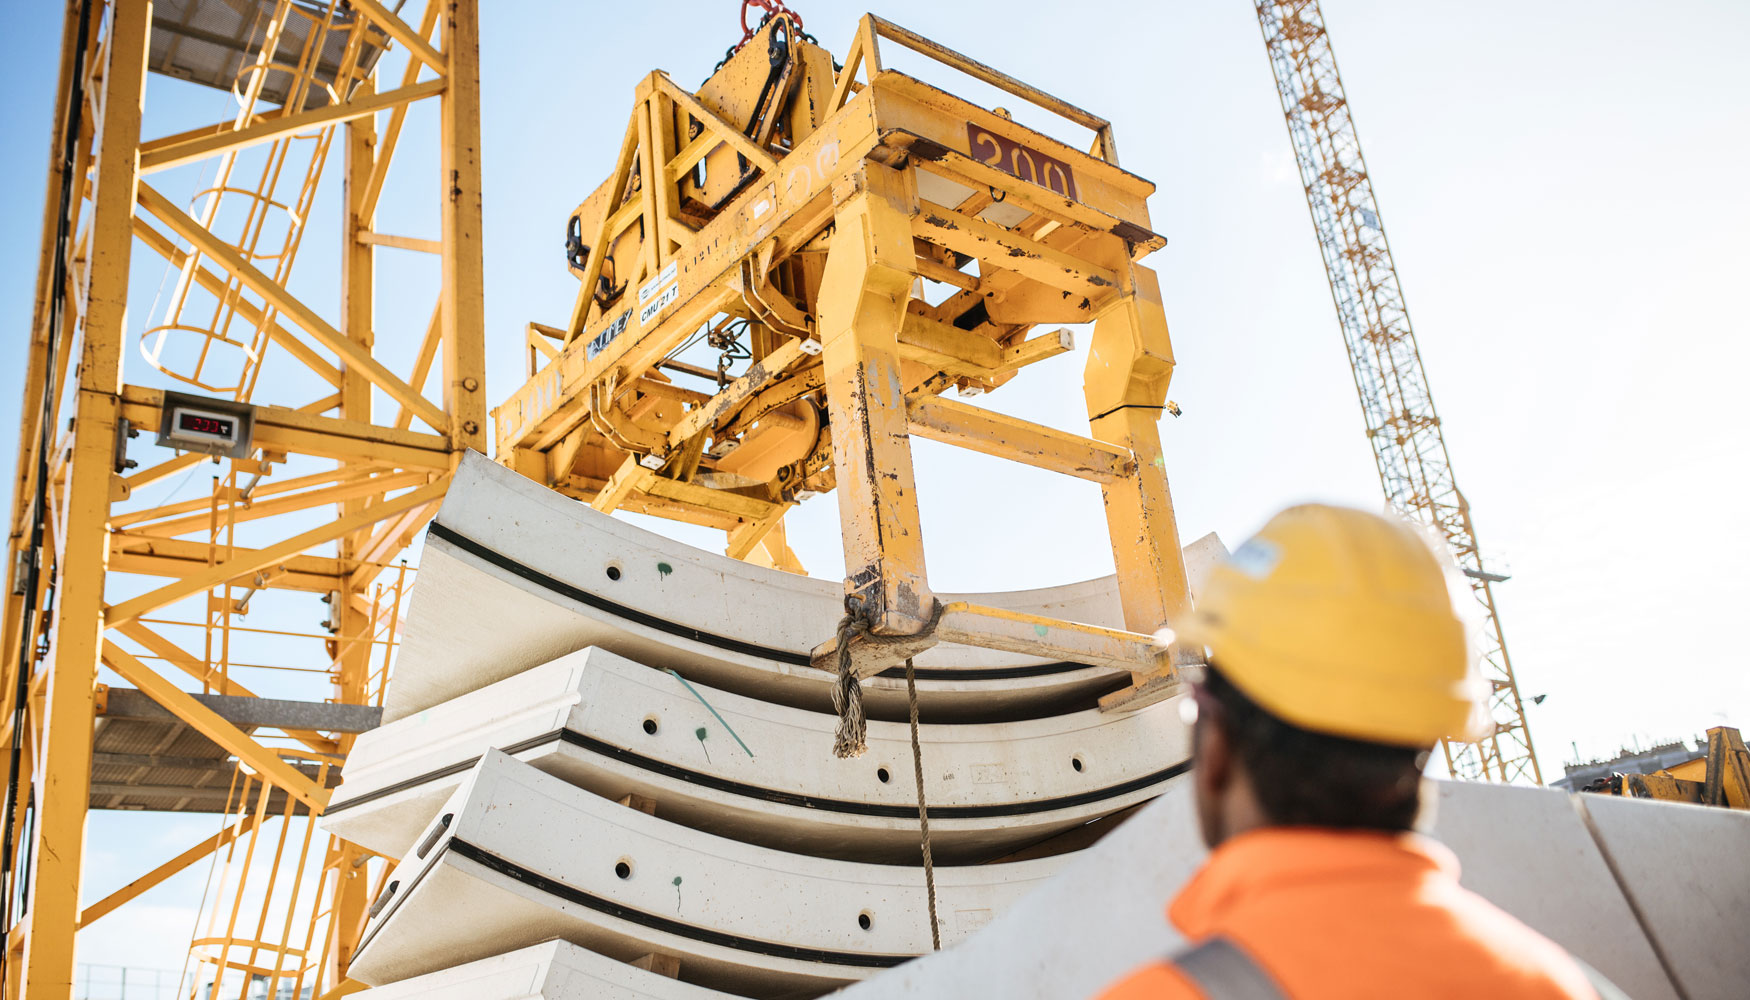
(519, 856)
(514, 575)
(1663, 880)
(1681, 867)
(553, 970)
(759, 772)
(600, 735)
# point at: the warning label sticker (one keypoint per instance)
(655, 284)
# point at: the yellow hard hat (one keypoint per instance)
(1341, 622)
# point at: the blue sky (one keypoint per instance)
(1565, 202)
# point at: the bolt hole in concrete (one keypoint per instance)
(865, 920)
(623, 868)
(613, 571)
(650, 726)
(1075, 762)
(881, 775)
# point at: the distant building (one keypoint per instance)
(1657, 758)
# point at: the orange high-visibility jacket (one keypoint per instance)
(1342, 915)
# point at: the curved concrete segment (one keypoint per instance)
(1684, 869)
(759, 772)
(518, 857)
(514, 575)
(554, 970)
(1613, 881)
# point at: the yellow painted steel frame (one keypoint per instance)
(1720, 777)
(386, 480)
(828, 219)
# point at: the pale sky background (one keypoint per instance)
(1563, 188)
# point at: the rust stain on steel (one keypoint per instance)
(1130, 232)
(939, 222)
(917, 145)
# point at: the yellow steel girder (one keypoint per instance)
(387, 479)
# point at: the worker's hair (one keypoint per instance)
(1303, 778)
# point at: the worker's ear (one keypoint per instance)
(1212, 757)
(1211, 772)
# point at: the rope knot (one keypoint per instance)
(847, 694)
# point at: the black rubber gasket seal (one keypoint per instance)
(572, 894)
(789, 656)
(777, 796)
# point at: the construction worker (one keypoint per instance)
(1336, 663)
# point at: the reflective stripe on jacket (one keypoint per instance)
(1331, 914)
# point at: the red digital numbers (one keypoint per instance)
(204, 425)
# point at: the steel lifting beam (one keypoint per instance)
(864, 291)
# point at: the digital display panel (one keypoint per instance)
(201, 423)
(206, 426)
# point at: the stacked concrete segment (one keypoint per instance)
(518, 856)
(739, 767)
(602, 737)
(539, 706)
(514, 575)
(552, 970)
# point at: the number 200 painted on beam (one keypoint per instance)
(1031, 165)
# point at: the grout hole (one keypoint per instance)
(650, 726)
(623, 868)
(865, 920)
(1075, 762)
(881, 775)
(613, 572)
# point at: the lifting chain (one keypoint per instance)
(773, 8)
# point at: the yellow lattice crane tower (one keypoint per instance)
(1408, 446)
(316, 447)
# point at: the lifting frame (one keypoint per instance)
(814, 206)
(821, 224)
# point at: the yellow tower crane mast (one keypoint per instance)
(1408, 447)
(204, 542)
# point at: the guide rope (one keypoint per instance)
(917, 764)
